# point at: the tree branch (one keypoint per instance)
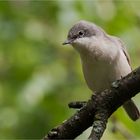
(98, 109)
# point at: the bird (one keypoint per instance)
(104, 59)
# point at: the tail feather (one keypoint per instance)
(131, 110)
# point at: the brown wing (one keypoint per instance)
(127, 55)
(123, 48)
(125, 51)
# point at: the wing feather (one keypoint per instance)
(123, 47)
(125, 51)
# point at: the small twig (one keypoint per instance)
(77, 104)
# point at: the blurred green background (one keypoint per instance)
(39, 76)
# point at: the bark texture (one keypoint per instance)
(98, 109)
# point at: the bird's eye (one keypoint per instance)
(81, 33)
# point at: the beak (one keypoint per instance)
(67, 42)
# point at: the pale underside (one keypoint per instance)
(104, 63)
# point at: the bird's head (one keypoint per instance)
(82, 34)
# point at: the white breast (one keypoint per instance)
(99, 74)
(103, 61)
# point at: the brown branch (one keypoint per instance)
(98, 109)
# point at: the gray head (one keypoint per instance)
(81, 31)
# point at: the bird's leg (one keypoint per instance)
(77, 104)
